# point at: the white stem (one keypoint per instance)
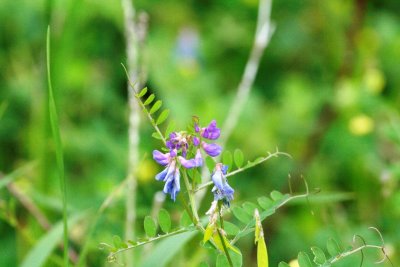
(132, 47)
(264, 31)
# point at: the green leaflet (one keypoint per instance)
(249, 207)
(142, 92)
(164, 220)
(155, 107)
(227, 159)
(163, 116)
(222, 261)
(333, 247)
(149, 100)
(230, 228)
(150, 226)
(185, 219)
(241, 215)
(238, 158)
(319, 255)
(276, 195)
(265, 202)
(304, 260)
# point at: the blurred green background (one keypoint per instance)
(327, 92)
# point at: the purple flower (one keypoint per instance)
(196, 128)
(211, 149)
(170, 175)
(211, 132)
(222, 190)
(197, 161)
(172, 184)
(161, 158)
(196, 141)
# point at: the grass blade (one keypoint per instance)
(38, 255)
(58, 147)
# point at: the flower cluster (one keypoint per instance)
(222, 190)
(181, 145)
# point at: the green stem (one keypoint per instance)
(220, 235)
(190, 191)
(225, 249)
(270, 155)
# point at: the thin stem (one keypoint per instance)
(262, 36)
(112, 254)
(224, 247)
(275, 154)
(151, 119)
(348, 253)
(238, 235)
(264, 30)
(133, 40)
(191, 199)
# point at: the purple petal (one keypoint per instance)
(211, 149)
(224, 169)
(172, 185)
(196, 141)
(161, 176)
(218, 179)
(169, 144)
(211, 132)
(161, 158)
(172, 153)
(188, 164)
(167, 172)
(197, 161)
(198, 158)
(172, 135)
(196, 128)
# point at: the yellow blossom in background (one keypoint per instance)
(294, 263)
(374, 80)
(361, 125)
(146, 171)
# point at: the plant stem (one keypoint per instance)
(192, 201)
(132, 50)
(225, 249)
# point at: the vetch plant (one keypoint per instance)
(183, 154)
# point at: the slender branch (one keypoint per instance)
(248, 225)
(134, 34)
(133, 89)
(190, 191)
(113, 254)
(264, 31)
(224, 247)
(270, 155)
(348, 253)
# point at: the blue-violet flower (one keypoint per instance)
(222, 190)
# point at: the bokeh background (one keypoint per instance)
(327, 92)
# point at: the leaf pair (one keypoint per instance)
(164, 221)
(237, 158)
(319, 257)
(154, 108)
